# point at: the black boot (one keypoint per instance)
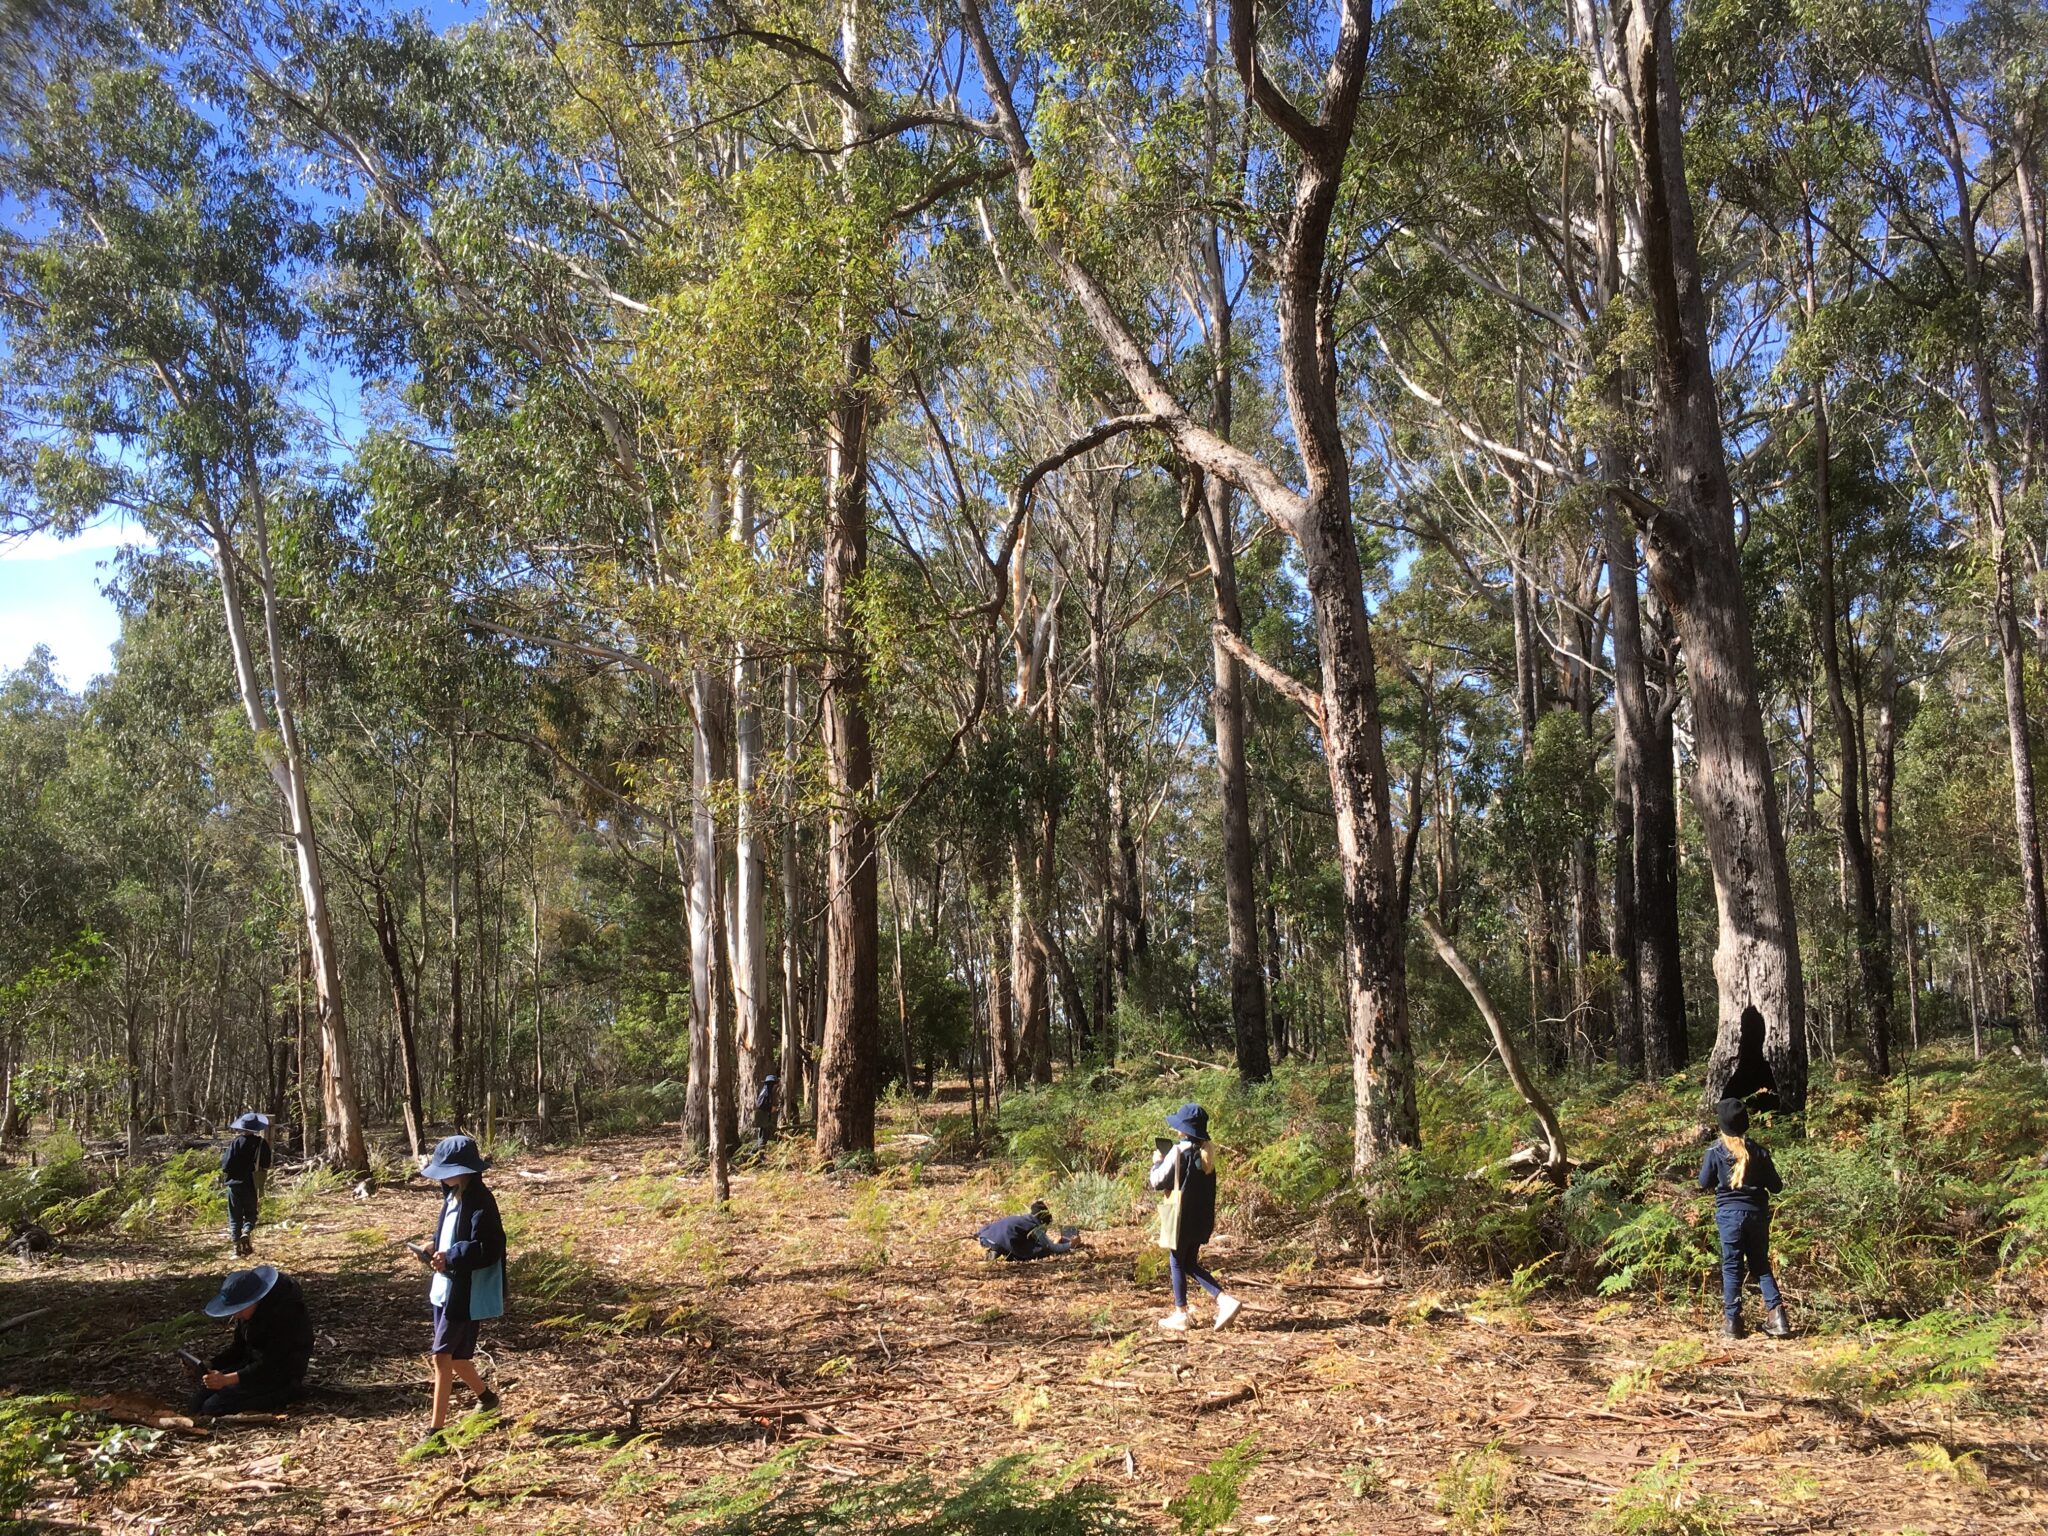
(1776, 1324)
(1731, 1328)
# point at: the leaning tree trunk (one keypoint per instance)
(1696, 568)
(274, 725)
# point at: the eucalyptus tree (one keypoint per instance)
(1303, 163)
(152, 353)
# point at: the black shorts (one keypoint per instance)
(454, 1337)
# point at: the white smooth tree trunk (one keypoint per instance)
(274, 724)
(749, 934)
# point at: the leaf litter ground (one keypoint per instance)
(855, 1318)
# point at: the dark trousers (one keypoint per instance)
(242, 1205)
(1745, 1245)
(239, 1399)
(1185, 1264)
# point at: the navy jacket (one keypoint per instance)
(273, 1344)
(479, 1242)
(1758, 1186)
(1019, 1238)
(247, 1155)
(1183, 1166)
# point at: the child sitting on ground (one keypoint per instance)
(1743, 1179)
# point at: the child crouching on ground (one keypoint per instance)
(1743, 1179)
(469, 1270)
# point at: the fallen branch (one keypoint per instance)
(1553, 1133)
(1193, 1061)
(1226, 1399)
(26, 1317)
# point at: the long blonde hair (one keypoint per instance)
(1738, 1154)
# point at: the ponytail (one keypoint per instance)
(1738, 1156)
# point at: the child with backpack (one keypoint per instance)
(242, 1167)
(1186, 1171)
(468, 1260)
(1743, 1179)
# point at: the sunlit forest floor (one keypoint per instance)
(842, 1339)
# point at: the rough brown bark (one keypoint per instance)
(1695, 566)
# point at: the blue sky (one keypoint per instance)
(50, 595)
(51, 591)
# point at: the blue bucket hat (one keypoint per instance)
(455, 1154)
(250, 1122)
(242, 1288)
(1191, 1120)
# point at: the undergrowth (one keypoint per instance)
(1905, 1196)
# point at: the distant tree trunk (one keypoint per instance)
(1694, 563)
(542, 1130)
(392, 948)
(458, 1080)
(708, 1122)
(1873, 935)
(750, 934)
(131, 1037)
(1541, 912)
(793, 1072)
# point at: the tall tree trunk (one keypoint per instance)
(793, 1073)
(750, 934)
(1695, 566)
(2004, 603)
(1545, 965)
(458, 1078)
(391, 946)
(274, 725)
(542, 1129)
(846, 1070)
(1215, 514)
(1873, 935)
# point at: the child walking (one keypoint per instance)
(242, 1166)
(1743, 1179)
(469, 1270)
(1186, 1170)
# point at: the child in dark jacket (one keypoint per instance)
(1743, 1179)
(261, 1370)
(1024, 1238)
(242, 1166)
(468, 1261)
(1189, 1168)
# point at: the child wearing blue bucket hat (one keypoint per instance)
(261, 1370)
(242, 1167)
(468, 1260)
(1186, 1171)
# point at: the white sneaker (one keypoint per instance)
(1226, 1308)
(1175, 1321)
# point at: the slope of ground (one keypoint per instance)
(842, 1336)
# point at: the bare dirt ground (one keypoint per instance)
(857, 1316)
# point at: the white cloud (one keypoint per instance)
(101, 537)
